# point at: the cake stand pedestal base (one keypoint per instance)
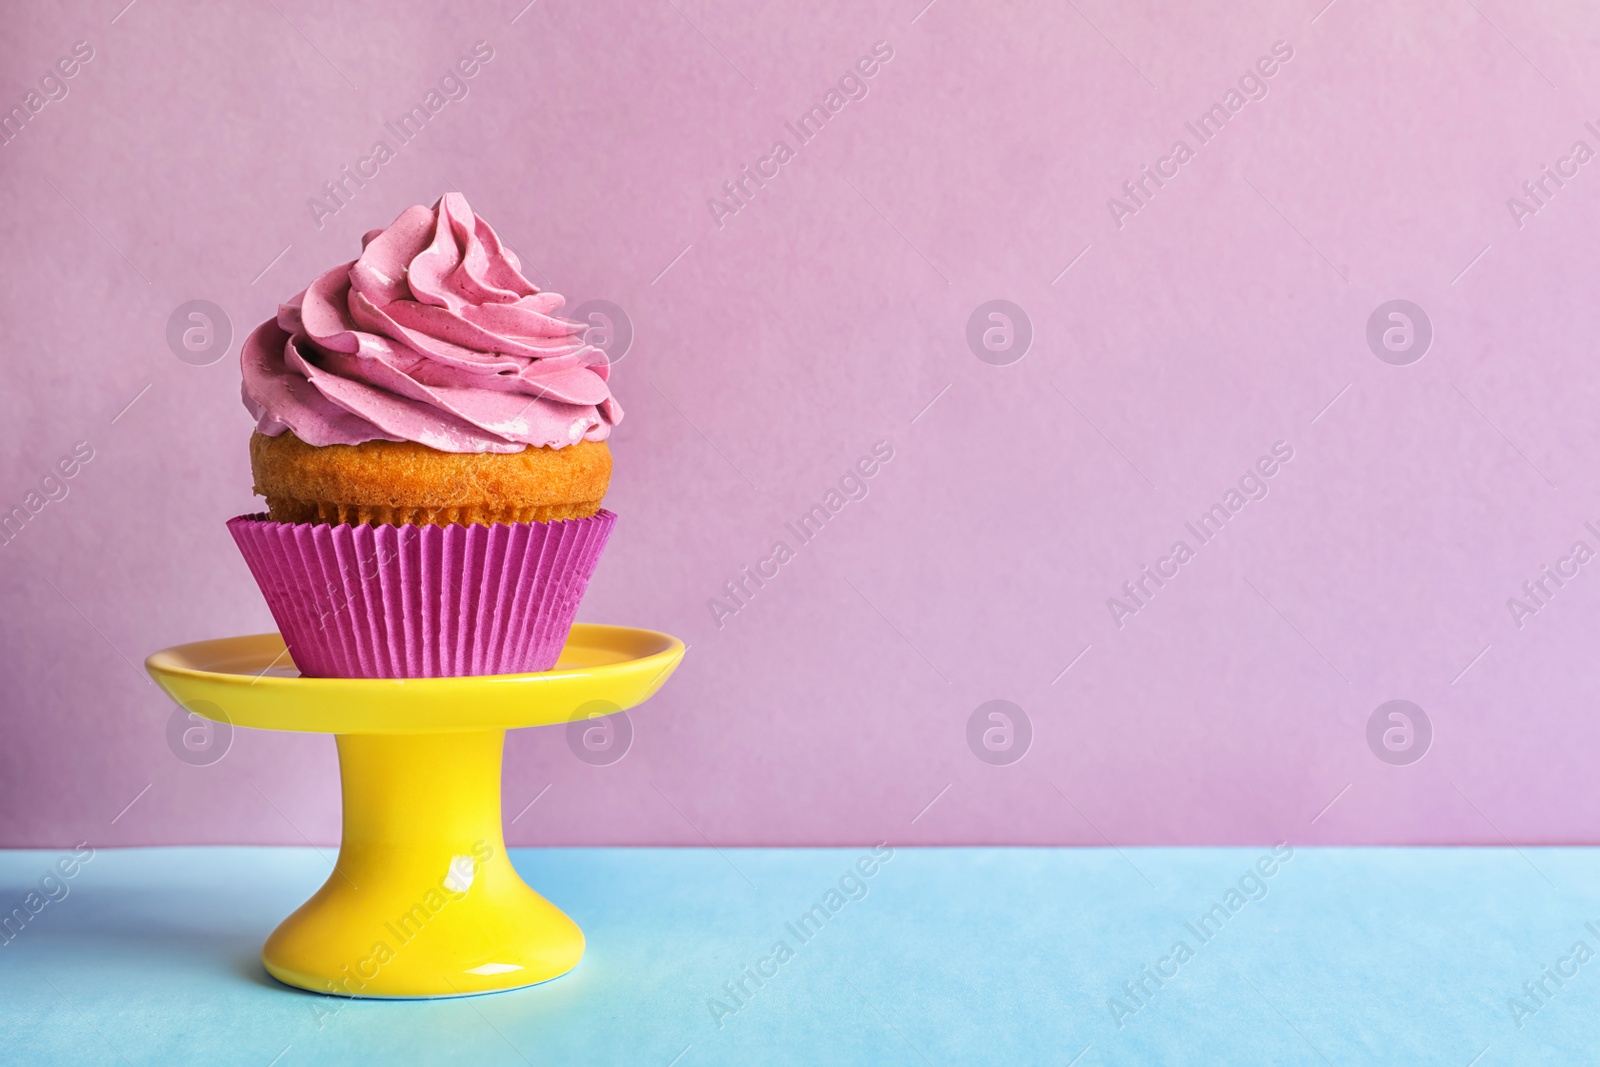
(423, 901)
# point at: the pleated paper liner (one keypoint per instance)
(357, 601)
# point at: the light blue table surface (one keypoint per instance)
(1005, 956)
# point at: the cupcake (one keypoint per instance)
(431, 442)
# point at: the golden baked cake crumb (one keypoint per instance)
(401, 483)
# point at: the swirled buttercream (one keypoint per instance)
(434, 336)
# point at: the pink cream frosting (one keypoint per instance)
(432, 336)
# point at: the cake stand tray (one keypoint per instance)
(423, 900)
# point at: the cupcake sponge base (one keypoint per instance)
(401, 483)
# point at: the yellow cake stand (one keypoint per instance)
(423, 900)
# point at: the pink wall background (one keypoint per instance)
(772, 351)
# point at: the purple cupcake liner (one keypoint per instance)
(422, 601)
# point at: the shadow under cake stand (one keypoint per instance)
(423, 900)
